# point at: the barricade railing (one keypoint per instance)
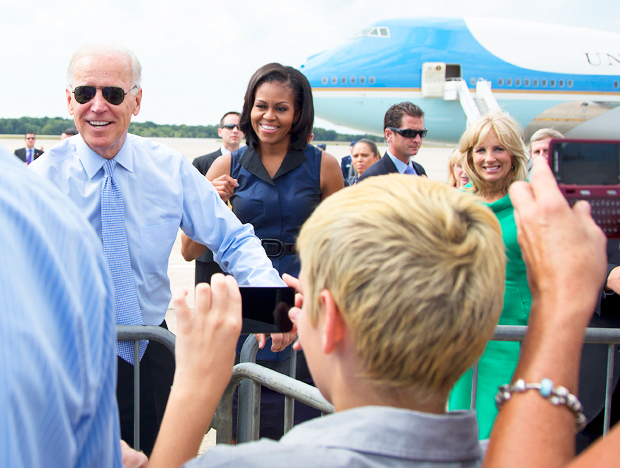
(251, 376)
(277, 382)
(608, 336)
(136, 333)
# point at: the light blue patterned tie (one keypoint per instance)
(409, 170)
(117, 254)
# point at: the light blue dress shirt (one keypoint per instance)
(401, 166)
(57, 362)
(162, 191)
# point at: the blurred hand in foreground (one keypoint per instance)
(206, 337)
(563, 248)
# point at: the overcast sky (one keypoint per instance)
(197, 56)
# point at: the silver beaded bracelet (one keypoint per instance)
(557, 395)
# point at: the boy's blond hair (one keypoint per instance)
(417, 271)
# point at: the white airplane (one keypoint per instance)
(544, 75)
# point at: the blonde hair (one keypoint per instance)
(508, 133)
(417, 271)
(452, 162)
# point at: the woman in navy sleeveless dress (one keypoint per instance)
(275, 183)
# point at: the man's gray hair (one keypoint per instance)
(110, 50)
(545, 133)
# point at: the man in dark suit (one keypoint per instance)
(231, 139)
(403, 126)
(29, 153)
(593, 368)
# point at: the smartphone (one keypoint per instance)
(265, 309)
(590, 170)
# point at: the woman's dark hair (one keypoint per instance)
(304, 107)
(371, 144)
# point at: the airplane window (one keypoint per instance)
(371, 80)
(324, 80)
(362, 80)
(472, 80)
(363, 32)
(343, 80)
(334, 79)
(561, 83)
(535, 82)
(375, 32)
(352, 80)
(616, 84)
(526, 82)
(544, 83)
(518, 82)
(508, 81)
(552, 83)
(570, 83)
(500, 82)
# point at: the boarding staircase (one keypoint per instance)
(474, 106)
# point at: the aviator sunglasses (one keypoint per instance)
(230, 127)
(113, 94)
(409, 132)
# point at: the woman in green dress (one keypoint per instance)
(494, 157)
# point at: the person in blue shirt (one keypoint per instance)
(160, 192)
(57, 332)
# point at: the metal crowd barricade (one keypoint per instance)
(250, 377)
(136, 333)
(268, 378)
(608, 336)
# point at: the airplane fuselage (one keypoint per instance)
(533, 68)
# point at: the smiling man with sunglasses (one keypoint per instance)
(137, 194)
(403, 125)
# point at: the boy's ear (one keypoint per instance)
(334, 326)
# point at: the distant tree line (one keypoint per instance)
(55, 126)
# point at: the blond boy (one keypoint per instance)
(403, 285)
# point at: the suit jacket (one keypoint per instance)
(594, 356)
(21, 153)
(385, 165)
(203, 163)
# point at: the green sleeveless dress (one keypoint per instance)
(499, 360)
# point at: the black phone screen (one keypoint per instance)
(265, 309)
(586, 163)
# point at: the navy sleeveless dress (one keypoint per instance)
(277, 207)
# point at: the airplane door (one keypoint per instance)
(433, 79)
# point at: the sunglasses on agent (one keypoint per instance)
(409, 132)
(230, 127)
(113, 94)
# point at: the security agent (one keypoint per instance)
(403, 126)
(29, 153)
